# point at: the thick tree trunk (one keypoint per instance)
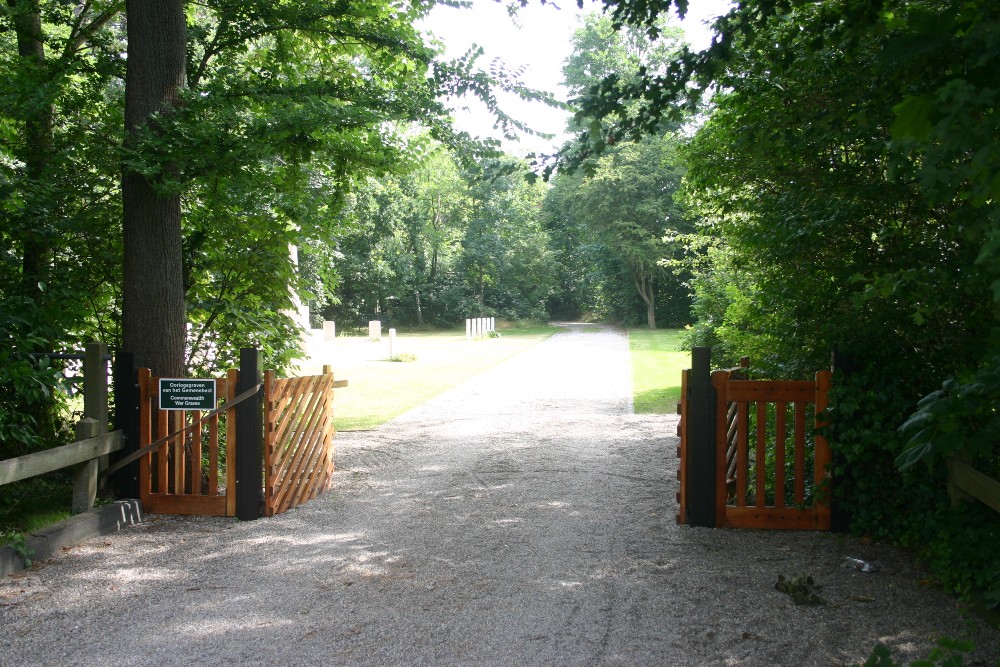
(35, 237)
(153, 319)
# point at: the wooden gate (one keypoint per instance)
(769, 465)
(298, 440)
(192, 472)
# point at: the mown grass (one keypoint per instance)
(657, 362)
(380, 389)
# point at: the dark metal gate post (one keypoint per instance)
(125, 482)
(701, 441)
(249, 438)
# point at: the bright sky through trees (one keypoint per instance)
(538, 38)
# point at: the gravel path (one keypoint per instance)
(523, 518)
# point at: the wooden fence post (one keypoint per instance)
(249, 438)
(85, 474)
(95, 391)
(125, 482)
(700, 453)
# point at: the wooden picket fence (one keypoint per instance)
(769, 467)
(195, 470)
(298, 440)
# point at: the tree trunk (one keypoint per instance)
(35, 234)
(153, 320)
(644, 284)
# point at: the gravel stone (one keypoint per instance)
(524, 518)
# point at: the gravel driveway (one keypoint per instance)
(523, 518)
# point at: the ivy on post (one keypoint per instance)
(701, 441)
(249, 438)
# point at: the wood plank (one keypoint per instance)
(970, 481)
(38, 463)
(720, 380)
(170, 503)
(800, 453)
(232, 381)
(742, 452)
(194, 460)
(682, 450)
(315, 469)
(823, 455)
(760, 462)
(268, 441)
(783, 519)
(780, 435)
(213, 455)
(305, 415)
(772, 391)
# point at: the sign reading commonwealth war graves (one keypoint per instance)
(185, 394)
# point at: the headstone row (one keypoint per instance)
(479, 327)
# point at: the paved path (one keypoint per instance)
(524, 518)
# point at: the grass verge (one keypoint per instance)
(32, 504)
(657, 362)
(427, 365)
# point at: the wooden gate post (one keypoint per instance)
(249, 438)
(125, 482)
(700, 453)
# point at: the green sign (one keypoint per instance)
(183, 394)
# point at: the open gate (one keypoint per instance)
(298, 441)
(751, 455)
(191, 462)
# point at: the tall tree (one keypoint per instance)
(625, 207)
(58, 225)
(153, 295)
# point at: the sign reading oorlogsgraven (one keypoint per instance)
(185, 394)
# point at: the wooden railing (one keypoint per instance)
(965, 483)
(83, 454)
(89, 452)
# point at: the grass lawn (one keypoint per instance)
(380, 389)
(657, 362)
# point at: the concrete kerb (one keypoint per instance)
(92, 523)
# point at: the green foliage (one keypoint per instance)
(22, 549)
(846, 183)
(623, 222)
(959, 419)
(436, 244)
(947, 653)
